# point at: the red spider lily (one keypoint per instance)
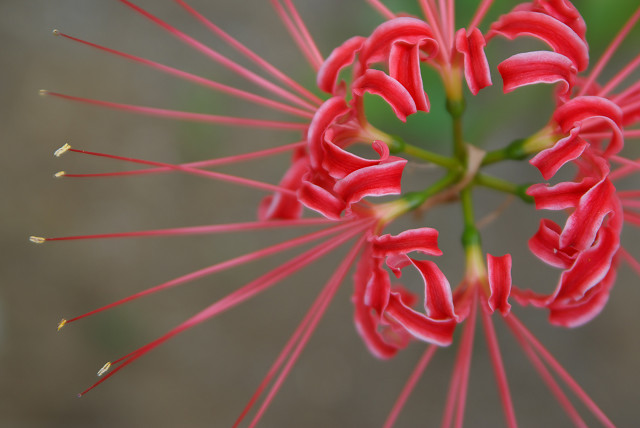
(588, 130)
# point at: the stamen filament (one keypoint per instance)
(183, 115)
(221, 59)
(482, 10)
(498, 368)
(315, 53)
(246, 292)
(193, 230)
(210, 174)
(609, 52)
(323, 303)
(381, 8)
(297, 35)
(631, 261)
(251, 55)
(416, 374)
(256, 99)
(218, 267)
(515, 324)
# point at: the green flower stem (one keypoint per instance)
(501, 185)
(416, 199)
(522, 148)
(445, 161)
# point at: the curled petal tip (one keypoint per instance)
(62, 150)
(104, 368)
(37, 239)
(61, 324)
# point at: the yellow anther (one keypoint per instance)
(62, 150)
(59, 174)
(104, 368)
(37, 239)
(43, 92)
(61, 323)
(56, 32)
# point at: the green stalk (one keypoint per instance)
(501, 185)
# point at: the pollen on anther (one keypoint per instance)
(56, 32)
(59, 174)
(104, 368)
(61, 324)
(62, 150)
(37, 239)
(43, 92)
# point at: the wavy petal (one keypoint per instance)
(327, 113)
(439, 332)
(560, 37)
(499, 275)
(545, 244)
(530, 68)
(476, 66)
(392, 91)
(404, 66)
(321, 200)
(438, 300)
(377, 180)
(339, 163)
(562, 195)
(423, 240)
(549, 161)
(341, 57)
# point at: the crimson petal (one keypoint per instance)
(499, 275)
(476, 66)
(379, 83)
(341, 57)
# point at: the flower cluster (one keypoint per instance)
(587, 130)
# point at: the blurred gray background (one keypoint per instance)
(205, 376)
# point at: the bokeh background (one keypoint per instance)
(205, 376)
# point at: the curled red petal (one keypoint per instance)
(476, 66)
(341, 57)
(424, 240)
(339, 163)
(438, 300)
(580, 109)
(404, 66)
(560, 37)
(320, 200)
(585, 221)
(545, 244)
(376, 180)
(327, 113)
(379, 83)
(590, 267)
(549, 161)
(499, 275)
(562, 195)
(377, 291)
(285, 206)
(530, 68)
(405, 29)
(565, 12)
(439, 332)
(575, 314)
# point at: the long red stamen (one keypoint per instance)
(610, 51)
(221, 59)
(631, 217)
(205, 163)
(323, 303)
(560, 371)
(199, 230)
(479, 14)
(195, 171)
(547, 378)
(631, 261)
(246, 292)
(498, 368)
(257, 99)
(433, 21)
(628, 133)
(627, 162)
(314, 58)
(622, 172)
(620, 76)
(467, 342)
(315, 52)
(250, 54)
(382, 9)
(416, 374)
(218, 267)
(183, 115)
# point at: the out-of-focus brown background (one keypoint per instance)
(205, 376)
